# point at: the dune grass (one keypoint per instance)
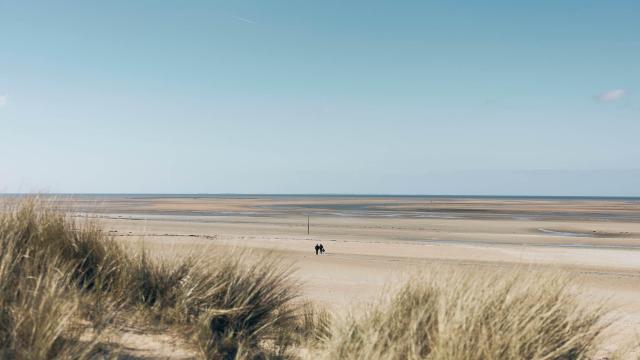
(56, 272)
(239, 306)
(472, 314)
(62, 279)
(40, 268)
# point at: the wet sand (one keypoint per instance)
(372, 242)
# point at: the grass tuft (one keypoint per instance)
(40, 266)
(57, 273)
(472, 315)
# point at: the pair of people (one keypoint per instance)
(319, 249)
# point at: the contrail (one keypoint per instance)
(248, 21)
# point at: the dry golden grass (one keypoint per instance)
(40, 267)
(471, 314)
(55, 275)
(61, 280)
(238, 305)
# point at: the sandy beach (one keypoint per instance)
(373, 242)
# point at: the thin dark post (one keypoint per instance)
(307, 224)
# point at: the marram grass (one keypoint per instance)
(62, 282)
(471, 314)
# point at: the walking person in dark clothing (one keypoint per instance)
(317, 248)
(321, 249)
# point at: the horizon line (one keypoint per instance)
(329, 194)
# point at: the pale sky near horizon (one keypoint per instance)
(385, 97)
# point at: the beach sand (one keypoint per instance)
(374, 242)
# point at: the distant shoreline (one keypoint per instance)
(356, 196)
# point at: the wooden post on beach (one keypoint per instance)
(307, 224)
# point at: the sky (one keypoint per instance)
(352, 97)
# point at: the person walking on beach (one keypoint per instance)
(317, 248)
(321, 249)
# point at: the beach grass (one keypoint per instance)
(58, 276)
(63, 281)
(472, 314)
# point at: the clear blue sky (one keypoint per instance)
(404, 97)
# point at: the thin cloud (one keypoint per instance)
(4, 99)
(248, 21)
(612, 95)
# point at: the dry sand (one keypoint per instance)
(373, 242)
